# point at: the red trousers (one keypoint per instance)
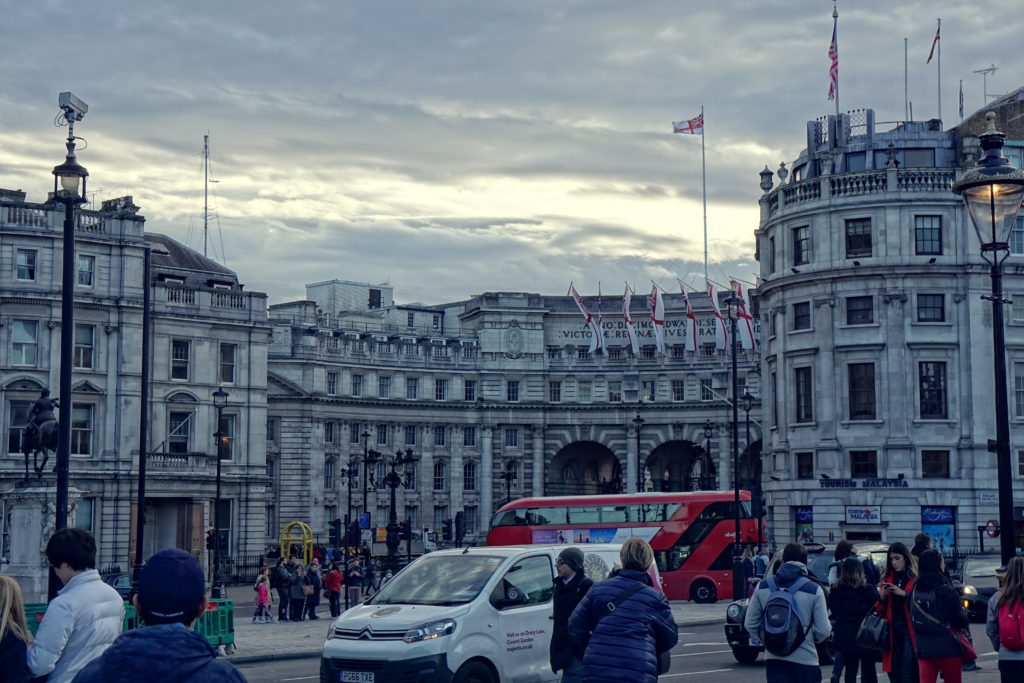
(949, 666)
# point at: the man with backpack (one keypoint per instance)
(788, 613)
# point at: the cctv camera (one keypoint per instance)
(73, 107)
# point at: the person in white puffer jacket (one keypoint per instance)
(85, 617)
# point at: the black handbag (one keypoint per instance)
(873, 633)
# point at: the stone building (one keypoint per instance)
(877, 356)
(206, 330)
(497, 396)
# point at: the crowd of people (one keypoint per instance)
(300, 590)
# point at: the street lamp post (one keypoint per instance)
(993, 191)
(349, 474)
(370, 457)
(509, 476)
(638, 422)
(400, 474)
(734, 302)
(704, 483)
(755, 470)
(220, 400)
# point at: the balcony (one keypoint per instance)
(181, 463)
(860, 184)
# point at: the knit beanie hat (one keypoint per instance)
(572, 557)
(929, 562)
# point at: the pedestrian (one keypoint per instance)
(354, 582)
(85, 617)
(332, 586)
(1005, 624)
(850, 601)
(761, 561)
(370, 578)
(15, 637)
(262, 614)
(922, 542)
(898, 581)
(792, 597)
(570, 588)
(313, 596)
(624, 644)
(170, 597)
(282, 584)
(936, 613)
(388, 575)
(296, 594)
(747, 560)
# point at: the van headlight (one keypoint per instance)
(733, 612)
(434, 629)
(970, 590)
(330, 630)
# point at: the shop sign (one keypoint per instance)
(988, 498)
(863, 514)
(863, 483)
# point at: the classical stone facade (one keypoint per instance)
(877, 361)
(206, 330)
(500, 383)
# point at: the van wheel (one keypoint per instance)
(703, 591)
(474, 672)
(745, 655)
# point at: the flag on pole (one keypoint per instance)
(961, 99)
(595, 331)
(935, 41)
(833, 55)
(721, 334)
(658, 317)
(691, 323)
(690, 126)
(602, 347)
(745, 323)
(634, 342)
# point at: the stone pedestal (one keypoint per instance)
(32, 511)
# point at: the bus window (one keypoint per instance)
(584, 515)
(541, 516)
(620, 513)
(509, 518)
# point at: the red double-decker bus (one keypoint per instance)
(691, 533)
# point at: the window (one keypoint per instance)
(329, 476)
(647, 390)
(801, 245)
(439, 434)
(17, 413)
(1020, 463)
(382, 435)
(469, 476)
(227, 363)
(469, 390)
(81, 429)
(511, 437)
(179, 431)
(412, 388)
(805, 465)
(582, 353)
(384, 387)
(410, 319)
(272, 431)
(531, 576)
(270, 525)
(856, 161)
(328, 432)
(469, 436)
(1018, 389)
(771, 254)
(858, 237)
(86, 270)
(931, 308)
(554, 352)
(374, 299)
(862, 391)
(471, 517)
(357, 385)
(27, 265)
(932, 375)
(181, 349)
(678, 390)
(1017, 309)
(863, 464)
(615, 392)
(919, 158)
(24, 343)
(1017, 237)
(354, 430)
(440, 352)
(707, 393)
(440, 468)
(84, 343)
(648, 352)
(615, 353)
(555, 390)
(85, 513)
(804, 396)
(860, 310)
(583, 392)
(775, 399)
(410, 436)
(227, 429)
(469, 351)
(802, 316)
(928, 235)
(512, 391)
(935, 464)
(436, 322)
(332, 384)
(440, 390)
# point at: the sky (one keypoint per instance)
(453, 147)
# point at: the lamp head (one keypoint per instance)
(220, 397)
(68, 176)
(709, 429)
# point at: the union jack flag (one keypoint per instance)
(833, 70)
(690, 126)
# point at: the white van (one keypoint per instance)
(478, 615)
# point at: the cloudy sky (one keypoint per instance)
(451, 147)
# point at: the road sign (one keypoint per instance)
(992, 528)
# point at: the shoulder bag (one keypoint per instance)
(963, 640)
(664, 658)
(873, 633)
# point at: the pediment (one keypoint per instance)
(280, 387)
(86, 387)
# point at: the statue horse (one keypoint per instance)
(43, 439)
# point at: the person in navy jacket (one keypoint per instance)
(622, 646)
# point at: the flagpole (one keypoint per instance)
(835, 18)
(938, 32)
(704, 184)
(906, 83)
(961, 100)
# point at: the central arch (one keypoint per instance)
(678, 466)
(583, 468)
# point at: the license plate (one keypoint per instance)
(755, 641)
(356, 677)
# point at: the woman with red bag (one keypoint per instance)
(897, 583)
(936, 617)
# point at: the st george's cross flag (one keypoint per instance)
(691, 324)
(634, 342)
(690, 126)
(658, 318)
(744, 322)
(721, 334)
(596, 339)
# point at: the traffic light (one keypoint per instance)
(354, 535)
(446, 533)
(334, 533)
(210, 543)
(404, 532)
(460, 527)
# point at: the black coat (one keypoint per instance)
(566, 597)
(934, 641)
(849, 606)
(13, 659)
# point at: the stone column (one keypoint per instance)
(724, 455)
(486, 473)
(632, 460)
(455, 479)
(538, 460)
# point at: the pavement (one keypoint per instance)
(305, 639)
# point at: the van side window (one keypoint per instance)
(530, 577)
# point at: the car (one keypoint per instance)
(979, 583)
(122, 583)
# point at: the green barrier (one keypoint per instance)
(34, 614)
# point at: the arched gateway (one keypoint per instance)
(679, 466)
(583, 468)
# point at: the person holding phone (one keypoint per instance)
(897, 583)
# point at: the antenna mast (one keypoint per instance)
(992, 68)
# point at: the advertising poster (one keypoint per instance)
(805, 524)
(939, 522)
(584, 536)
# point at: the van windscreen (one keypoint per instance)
(439, 580)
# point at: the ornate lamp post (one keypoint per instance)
(369, 458)
(747, 401)
(400, 474)
(993, 191)
(510, 476)
(737, 547)
(350, 474)
(705, 484)
(638, 422)
(220, 400)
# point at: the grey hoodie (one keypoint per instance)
(813, 612)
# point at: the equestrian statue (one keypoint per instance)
(40, 434)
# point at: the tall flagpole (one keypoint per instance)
(704, 183)
(906, 83)
(835, 26)
(938, 32)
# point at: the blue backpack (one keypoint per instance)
(782, 630)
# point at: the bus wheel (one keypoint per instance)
(703, 591)
(474, 672)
